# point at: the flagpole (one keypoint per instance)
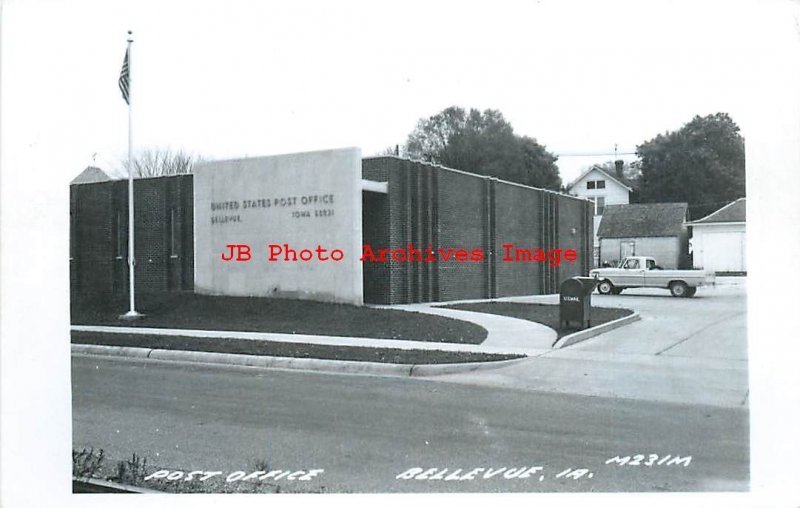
(131, 314)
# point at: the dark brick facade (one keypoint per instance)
(99, 238)
(441, 207)
(426, 205)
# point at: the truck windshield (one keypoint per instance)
(632, 264)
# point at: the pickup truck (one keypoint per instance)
(643, 272)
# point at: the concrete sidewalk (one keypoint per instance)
(502, 331)
(518, 347)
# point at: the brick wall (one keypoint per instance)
(575, 231)
(463, 201)
(92, 233)
(517, 220)
(432, 205)
(99, 238)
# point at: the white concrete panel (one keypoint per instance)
(302, 201)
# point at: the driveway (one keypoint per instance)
(683, 350)
(712, 324)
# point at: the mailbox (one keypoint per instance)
(575, 302)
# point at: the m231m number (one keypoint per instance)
(650, 460)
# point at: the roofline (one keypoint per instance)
(485, 177)
(598, 168)
(684, 205)
(716, 212)
(135, 178)
(674, 235)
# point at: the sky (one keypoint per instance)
(234, 79)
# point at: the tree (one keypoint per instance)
(390, 150)
(160, 162)
(701, 164)
(483, 143)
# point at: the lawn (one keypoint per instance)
(202, 312)
(293, 350)
(544, 314)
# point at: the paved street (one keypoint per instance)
(364, 431)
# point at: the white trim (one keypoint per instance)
(373, 186)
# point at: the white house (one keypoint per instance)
(719, 239)
(603, 188)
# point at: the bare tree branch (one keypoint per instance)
(160, 162)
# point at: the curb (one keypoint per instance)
(574, 338)
(441, 369)
(279, 362)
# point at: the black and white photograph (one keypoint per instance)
(327, 249)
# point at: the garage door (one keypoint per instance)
(724, 252)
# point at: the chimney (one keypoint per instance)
(618, 167)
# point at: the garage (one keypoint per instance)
(719, 240)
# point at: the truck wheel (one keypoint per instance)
(605, 287)
(678, 288)
(690, 292)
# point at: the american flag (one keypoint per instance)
(124, 78)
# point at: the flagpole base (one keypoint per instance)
(131, 315)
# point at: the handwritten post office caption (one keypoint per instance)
(236, 476)
(510, 253)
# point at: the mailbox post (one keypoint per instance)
(575, 302)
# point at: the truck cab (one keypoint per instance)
(643, 271)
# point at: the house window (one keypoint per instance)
(601, 184)
(590, 184)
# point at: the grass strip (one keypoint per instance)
(286, 349)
